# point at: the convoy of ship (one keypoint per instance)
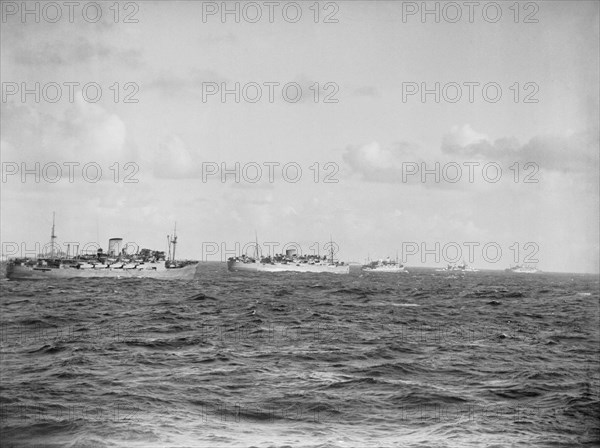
(115, 263)
(145, 263)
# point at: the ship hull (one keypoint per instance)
(457, 270)
(19, 272)
(386, 270)
(237, 266)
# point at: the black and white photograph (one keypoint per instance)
(310, 223)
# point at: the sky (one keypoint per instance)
(462, 135)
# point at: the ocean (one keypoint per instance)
(425, 359)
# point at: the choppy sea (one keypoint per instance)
(425, 359)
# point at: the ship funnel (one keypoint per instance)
(114, 247)
(290, 253)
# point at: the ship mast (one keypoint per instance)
(256, 247)
(174, 240)
(331, 247)
(52, 237)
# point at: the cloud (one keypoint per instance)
(168, 83)
(301, 89)
(173, 159)
(56, 45)
(80, 132)
(288, 210)
(378, 164)
(577, 152)
(465, 135)
(574, 153)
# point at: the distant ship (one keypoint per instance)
(387, 265)
(458, 268)
(116, 263)
(521, 269)
(290, 262)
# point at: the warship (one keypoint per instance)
(464, 267)
(115, 263)
(387, 265)
(288, 262)
(523, 269)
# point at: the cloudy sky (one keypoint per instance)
(360, 96)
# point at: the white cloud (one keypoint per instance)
(464, 135)
(378, 164)
(289, 211)
(172, 159)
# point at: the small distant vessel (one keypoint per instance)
(464, 267)
(288, 262)
(116, 263)
(523, 269)
(387, 265)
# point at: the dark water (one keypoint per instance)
(427, 359)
